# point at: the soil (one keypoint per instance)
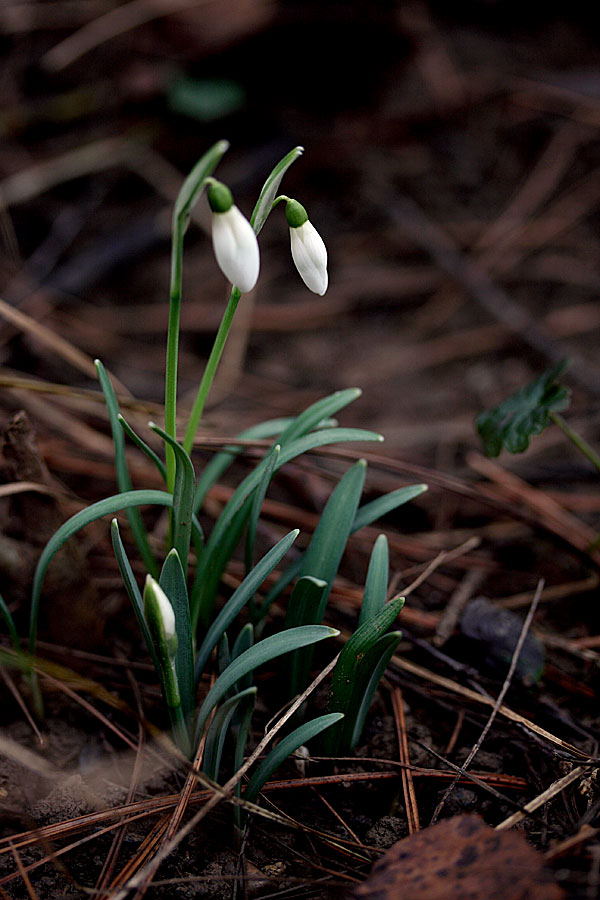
(451, 165)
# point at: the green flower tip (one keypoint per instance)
(219, 197)
(295, 214)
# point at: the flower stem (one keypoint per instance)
(576, 439)
(210, 370)
(173, 347)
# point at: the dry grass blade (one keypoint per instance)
(410, 798)
(454, 687)
(27, 758)
(555, 788)
(115, 22)
(144, 877)
(59, 345)
(501, 695)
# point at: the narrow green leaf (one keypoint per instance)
(223, 654)
(303, 609)
(376, 585)
(324, 553)
(365, 515)
(258, 498)
(305, 601)
(327, 545)
(243, 642)
(205, 587)
(270, 189)
(107, 507)
(513, 422)
(351, 664)
(172, 581)
(368, 676)
(221, 461)
(241, 731)
(217, 732)
(134, 518)
(183, 496)
(374, 510)
(133, 591)
(194, 183)
(209, 572)
(144, 447)
(314, 414)
(240, 597)
(285, 748)
(268, 649)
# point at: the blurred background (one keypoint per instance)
(452, 165)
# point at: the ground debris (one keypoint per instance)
(461, 859)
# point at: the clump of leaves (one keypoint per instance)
(512, 423)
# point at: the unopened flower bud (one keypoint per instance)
(234, 241)
(159, 615)
(308, 250)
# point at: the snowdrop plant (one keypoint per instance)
(184, 622)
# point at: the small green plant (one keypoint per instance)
(528, 412)
(365, 656)
(177, 611)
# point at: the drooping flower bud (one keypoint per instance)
(160, 616)
(308, 250)
(234, 241)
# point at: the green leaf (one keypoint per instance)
(327, 545)
(123, 478)
(241, 730)
(305, 601)
(257, 502)
(303, 609)
(143, 446)
(133, 591)
(107, 507)
(314, 414)
(243, 642)
(172, 581)
(240, 597)
(270, 189)
(268, 649)
(368, 676)
(194, 184)
(183, 496)
(221, 461)
(284, 748)
(513, 422)
(365, 515)
(217, 732)
(208, 573)
(374, 510)
(376, 585)
(355, 662)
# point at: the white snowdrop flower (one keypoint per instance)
(308, 250)
(234, 241)
(158, 610)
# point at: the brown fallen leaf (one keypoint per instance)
(461, 859)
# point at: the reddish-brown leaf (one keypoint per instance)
(461, 859)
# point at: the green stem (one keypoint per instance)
(576, 439)
(181, 734)
(173, 347)
(210, 370)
